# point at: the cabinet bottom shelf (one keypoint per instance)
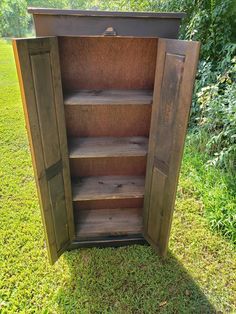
(113, 241)
(104, 223)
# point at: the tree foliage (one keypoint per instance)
(13, 18)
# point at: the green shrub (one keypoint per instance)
(213, 109)
(13, 18)
(218, 119)
(57, 4)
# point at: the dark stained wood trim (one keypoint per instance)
(49, 22)
(173, 15)
(109, 242)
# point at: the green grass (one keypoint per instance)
(199, 275)
(216, 189)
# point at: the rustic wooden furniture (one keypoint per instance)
(106, 104)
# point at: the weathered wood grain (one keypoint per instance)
(103, 156)
(108, 203)
(105, 166)
(175, 72)
(108, 187)
(107, 120)
(39, 75)
(109, 97)
(108, 222)
(98, 147)
(107, 63)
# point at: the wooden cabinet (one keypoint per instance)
(106, 104)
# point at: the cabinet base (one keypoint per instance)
(109, 241)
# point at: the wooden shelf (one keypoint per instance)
(108, 188)
(108, 113)
(101, 147)
(109, 97)
(108, 222)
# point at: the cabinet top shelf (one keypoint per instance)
(109, 97)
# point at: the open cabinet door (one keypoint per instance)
(38, 69)
(175, 73)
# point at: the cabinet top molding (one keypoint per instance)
(165, 15)
(54, 22)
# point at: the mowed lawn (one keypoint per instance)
(199, 275)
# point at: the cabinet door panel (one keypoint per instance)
(175, 74)
(38, 69)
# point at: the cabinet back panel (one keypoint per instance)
(129, 166)
(107, 120)
(111, 203)
(107, 62)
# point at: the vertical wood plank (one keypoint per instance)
(42, 78)
(60, 113)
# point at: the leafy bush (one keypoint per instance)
(218, 118)
(213, 108)
(13, 18)
(58, 4)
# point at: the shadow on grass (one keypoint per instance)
(129, 280)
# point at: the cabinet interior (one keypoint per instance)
(107, 86)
